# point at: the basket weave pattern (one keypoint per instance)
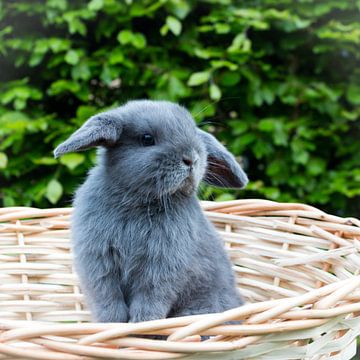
(297, 267)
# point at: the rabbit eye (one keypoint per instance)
(147, 140)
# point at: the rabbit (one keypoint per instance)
(143, 248)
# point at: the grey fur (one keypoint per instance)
(143, 248)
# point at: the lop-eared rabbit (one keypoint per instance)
(143, 248)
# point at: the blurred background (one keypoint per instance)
(277, 81)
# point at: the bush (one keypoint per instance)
(276, 80)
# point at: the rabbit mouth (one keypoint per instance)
(188, 186)
(177, 182)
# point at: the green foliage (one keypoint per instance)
(276, 80)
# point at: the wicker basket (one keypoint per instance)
(296, 266)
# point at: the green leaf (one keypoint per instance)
(58, 45)
(180, 8)
(81, 71)
(174, 25)
(225, 197)
(217, 64)
(262, 148)
(128, 37)
(54, 191)
(316, 166)
(62, 85)
(271, 192)
(72, 57)
(353, 94)
(116, 57)
(177, 88)
(8, 201)
(19, 104)
(267, 125)
(301, 156)
(222, 28)
(3, 160)
(36, 59)
(139, 41)
(239, 126)
(241, 142)
(215, 92)
(275, 167)
(230, 78)
(72, 160)
(57, 4)
(125, 37)
(202, 109)
(45, 161)
(240, 44)
(300, 152)
(83, 112)
(164, 30)
(198, 78)
(96, 5)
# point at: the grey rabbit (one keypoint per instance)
(143, 247)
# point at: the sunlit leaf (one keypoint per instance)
(72, 160)
(3, 160)
(198, 78)
(96, 4)
(72, 57)
(174, 25)
(54, 191)
(215, 92)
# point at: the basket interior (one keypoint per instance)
(277, 251)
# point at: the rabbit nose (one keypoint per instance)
(187, 161)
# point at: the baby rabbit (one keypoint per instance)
(142, 245)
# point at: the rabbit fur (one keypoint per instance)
(143, 248)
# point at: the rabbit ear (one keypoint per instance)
(222, 168)
(102, 129)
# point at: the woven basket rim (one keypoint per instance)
(332, 308)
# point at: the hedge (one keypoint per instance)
(276, 80)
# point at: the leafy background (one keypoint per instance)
(276, 80)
